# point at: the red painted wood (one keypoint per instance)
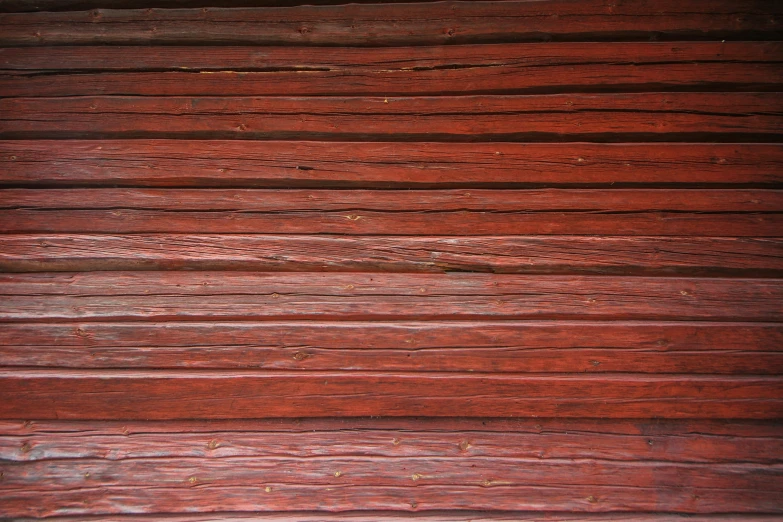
(161, 395)
(479, 200)
(577, 499)
(248, 58)
(504, 68)
(499, 254)
(199, 453)
(459, 80)
(427, 23)
(614, 117)
(648, 427)
(212, 296)
(221, 476)
(318, 164)
(475, 212)
(430, 516)
(500, 347)
(110, 369)
(392, 471)
(681, 441)
(362, 222)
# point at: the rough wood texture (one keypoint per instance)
(507, 254)
(501, 347)
(416, 24)
(682, 441)
(148, 296)
(213, 394)
(427, 516)
(177, 163)
(232, 236)
(576, 117)
(448, 212)
(192, 461)
(42, 60)
(408, 464)
(487, 69)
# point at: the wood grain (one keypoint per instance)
(417, 24)
(183, 163)
(448, 212)
(578, 499)
(480, 200)
(213, 296)
(732, 428)
(427, 516)
(242, 245)
(464, 69)
(230, 476)
(499, 347)
(603, 117)
(662, 440)
(194, 457)
(212, 394)
(118, 58)
(643, 255)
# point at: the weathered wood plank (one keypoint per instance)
(226, 474)
(325, 497)
(537, 443)
(475, 79)
(318, 164)
(13, 6)
(732, 428)
(565, 347)
(618, 344)
(487, 69)
(380, 470)
(429, 516)
(605, 117)
(363, 222)
(621, 212)
(684, 441)
(212, 296)
(415, 24)
(479, 200)
(248, 58)
(500, 254)
(212, 394)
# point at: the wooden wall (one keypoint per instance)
(480, 260)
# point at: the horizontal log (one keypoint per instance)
(319, 164)
(212, 394)
(480, 200)
(673, 441)
(620, 212)
(22, 6)
(389, 24)
(280, 497)
(487, 69)
(770, 429)
(515, 476)
(212, 296)
(516, 347)
(363, 222)
(250, 58)
(500, 254)
(602, 117)
(534, 442)
(429, 516)
(381, 471)
(467, 79)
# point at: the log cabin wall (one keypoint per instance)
(485, 260)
